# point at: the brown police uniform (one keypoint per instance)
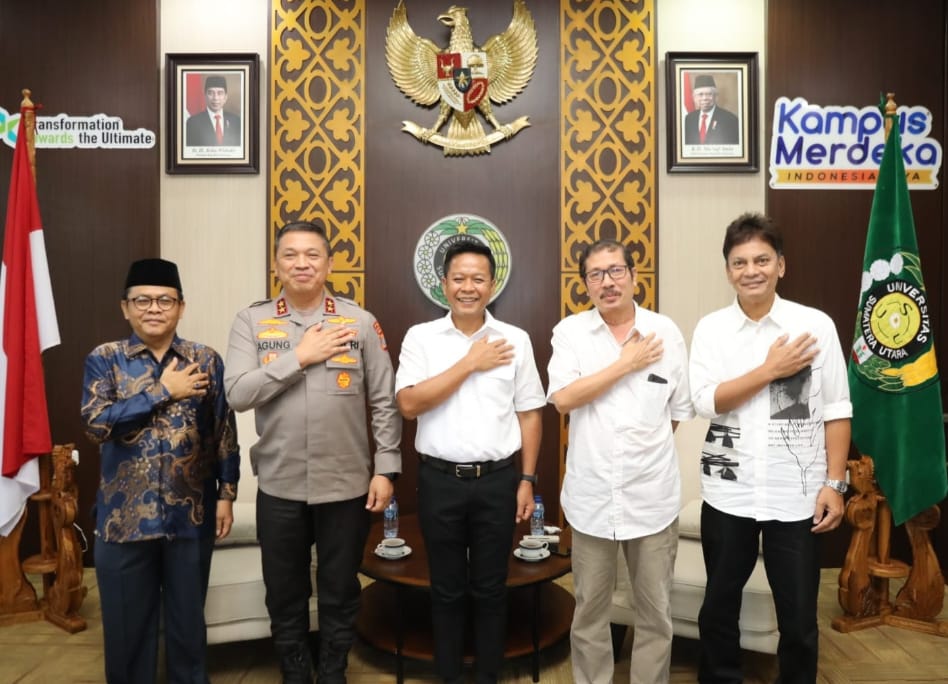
(311, 421)
(313, 463)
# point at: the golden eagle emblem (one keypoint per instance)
(465, 78)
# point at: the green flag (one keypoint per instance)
(893, 376)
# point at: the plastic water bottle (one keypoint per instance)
(390, 520)
(536, 520)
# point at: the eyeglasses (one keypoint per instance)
(617, 273)
(143, 303)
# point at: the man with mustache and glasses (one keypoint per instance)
(620, 372)
(769, 373)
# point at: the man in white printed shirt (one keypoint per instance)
(771, 377)
(620, 372)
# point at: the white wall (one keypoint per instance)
(214, 226)
(694, 209)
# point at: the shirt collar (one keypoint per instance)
(777, 314)
(282, 309)
(642, 320)
(136, 346)
(446, 325)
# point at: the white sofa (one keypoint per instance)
(235, 608)
(758, 617)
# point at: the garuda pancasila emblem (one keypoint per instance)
(464, 77)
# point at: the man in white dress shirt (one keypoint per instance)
(620, 372)
(472, 383)
(771, 377)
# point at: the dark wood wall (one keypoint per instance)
(100, 207)
(409, 186)
(845, 53)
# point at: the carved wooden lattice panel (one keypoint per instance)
(608, 137)
(607, 65)
(317, 136)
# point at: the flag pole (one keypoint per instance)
(29, 113)
(884, 568)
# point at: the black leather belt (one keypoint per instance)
(466, 471)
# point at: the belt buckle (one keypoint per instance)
(461, 470)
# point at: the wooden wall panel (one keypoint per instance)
(846, 53)
(99, 207)
(588, 155)
(409, 186)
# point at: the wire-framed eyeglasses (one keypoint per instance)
(143, 303)
(617, 273)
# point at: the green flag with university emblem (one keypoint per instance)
(893, 376)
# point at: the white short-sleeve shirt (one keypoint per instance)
(622, 478)
(767, 458)
(478, 422)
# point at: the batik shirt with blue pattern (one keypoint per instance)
(164, 463)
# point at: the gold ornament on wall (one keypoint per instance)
(462, 78)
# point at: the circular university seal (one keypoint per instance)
(440, 235)
(894, 320)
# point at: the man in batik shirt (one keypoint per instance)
(169, 467)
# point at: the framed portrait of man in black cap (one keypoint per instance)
(213, 113)
(712, 112)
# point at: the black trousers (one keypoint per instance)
(791, 558)
(468, 528)
(136, 581)
(287, 530)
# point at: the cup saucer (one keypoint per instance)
(404, 551)
(543, 555)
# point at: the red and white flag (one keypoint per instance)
(27, 327)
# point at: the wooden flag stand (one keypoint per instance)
(864, 579)
(59, 561)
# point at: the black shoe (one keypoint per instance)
(333, 660)
(296, 666)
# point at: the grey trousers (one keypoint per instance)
(651, 563)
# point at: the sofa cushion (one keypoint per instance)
(244, 530)
(689, 520)
(757, 605)
(236, 591)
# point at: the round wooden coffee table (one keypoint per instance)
(396, 609)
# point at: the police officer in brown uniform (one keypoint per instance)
(310, 365)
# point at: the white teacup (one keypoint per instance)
(532, 548)
(393, 546)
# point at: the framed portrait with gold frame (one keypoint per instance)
(712, 112)
(212, 113)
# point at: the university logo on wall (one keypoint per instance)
(463, 78)
(447, 231)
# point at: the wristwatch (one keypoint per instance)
(532, 479)
(391, 476)
(837, 485)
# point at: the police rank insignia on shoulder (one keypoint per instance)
(281, 308)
